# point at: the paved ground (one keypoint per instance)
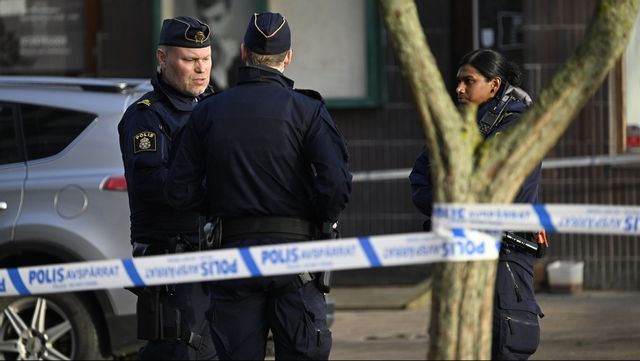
(586, 325)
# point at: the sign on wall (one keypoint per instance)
(41, 36)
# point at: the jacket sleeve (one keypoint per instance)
(184, 188)
(326, 150)
(421, 184)
(144, 148)
(528, 193)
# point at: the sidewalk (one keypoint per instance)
(392, 323)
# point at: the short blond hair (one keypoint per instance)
(274, 60)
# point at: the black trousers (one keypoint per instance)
(516, 331)
(194, 302)
(245, 310)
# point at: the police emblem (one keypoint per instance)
(200, 38)
(144, 142)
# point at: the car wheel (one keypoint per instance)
(51, 327)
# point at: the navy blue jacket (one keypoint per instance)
(420, 177)
(146, 132)
(261, 148)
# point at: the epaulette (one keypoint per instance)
(144, 102)
(311, 93)
(147, 100)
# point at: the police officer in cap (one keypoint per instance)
(274, 168)
(173, 318)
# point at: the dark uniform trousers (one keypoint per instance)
(194, 302)
(516, 331)
(246, 309)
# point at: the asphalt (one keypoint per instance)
(392, 322)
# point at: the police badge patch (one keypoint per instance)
(144, 142)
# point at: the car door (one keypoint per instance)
(13, 170)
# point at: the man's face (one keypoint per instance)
(473, 87)
(186, 69)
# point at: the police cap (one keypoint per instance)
(268, 34)
(185, 32)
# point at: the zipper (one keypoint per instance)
(515, 320)
(165, 157)
(515, 284)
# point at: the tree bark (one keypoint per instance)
(462, 293)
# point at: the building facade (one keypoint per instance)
(370, 100)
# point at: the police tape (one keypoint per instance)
(560, 218)
(458, 236)
(257, 261)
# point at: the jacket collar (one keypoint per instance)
(515, 106)
(178, 100)
(262, 74)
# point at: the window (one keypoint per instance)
(335, 44)
(47, 131)
(335, 49)
(9, 151)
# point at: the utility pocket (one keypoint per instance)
(312, 338)
(521, 331)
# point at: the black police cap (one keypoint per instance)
(185, 32)
(268, 34)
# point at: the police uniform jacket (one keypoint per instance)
(147, 130)
(422, 188)
(264, 149)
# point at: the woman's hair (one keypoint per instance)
(491, 64)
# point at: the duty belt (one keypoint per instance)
(289, 228)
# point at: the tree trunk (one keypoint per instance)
(462, 293)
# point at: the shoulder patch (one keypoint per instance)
(146, 102)
(144, 142)
(310, 93)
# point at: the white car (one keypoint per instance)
(63, 199)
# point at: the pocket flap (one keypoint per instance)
(509, 301)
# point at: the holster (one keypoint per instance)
(158, 318)
(322, 280)
(210, 233)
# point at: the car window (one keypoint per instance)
(9, 151)
(48, 130)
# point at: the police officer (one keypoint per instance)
(488, 79)
(179, 329)
(275, 168)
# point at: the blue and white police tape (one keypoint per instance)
(455, 239)
(287, 258)
(561, 218)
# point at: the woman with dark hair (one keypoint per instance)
(486, 78)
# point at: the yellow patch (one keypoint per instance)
(146, 102)
(144, 142)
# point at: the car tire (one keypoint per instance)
(64, 329)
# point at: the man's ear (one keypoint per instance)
(161, 55)
(288, 58)
(244, 53)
